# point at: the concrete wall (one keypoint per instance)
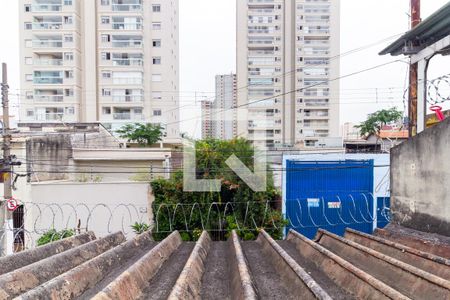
(420, 181)
(100, 207)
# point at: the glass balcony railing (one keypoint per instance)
(49, 98)
(48, 62)
(46, 7)
(47, 44)
(127, 80)
(47, 25)
(127, 7)
(128, 62)
(128, 98)
(127, 44)
(127, 26)
(122, 116)
(49, 117)
(48, 80)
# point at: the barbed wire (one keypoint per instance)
(435, 90)
(36, 219)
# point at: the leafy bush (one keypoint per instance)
(53, 235)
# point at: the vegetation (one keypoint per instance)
(53, 235)
(378, 119)
(139, 228)
(143, 134)
(209, 210)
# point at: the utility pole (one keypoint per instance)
(413, 71)
(8, 235)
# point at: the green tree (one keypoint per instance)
(236, 206)
(375, 121)
(143, 134)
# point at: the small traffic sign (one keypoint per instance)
(12, 204)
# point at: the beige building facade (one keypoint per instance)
(287, 56)
(109, 61)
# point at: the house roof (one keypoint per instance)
(87, 267)
(429, 31)
(394, 134)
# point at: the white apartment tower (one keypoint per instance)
(207, 126)
(224, 116)
(286, 54)
(113, 61)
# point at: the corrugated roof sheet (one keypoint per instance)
(429, 31)
(356, 266)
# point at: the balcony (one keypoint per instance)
(47, 25)
(128, 62)
(49, 98)
(127, 43)
(48, 80)
(126, 7)
(49, 117)
(46, 7)
(47, 43)
(122, 116)
(127, 80)
(126, 26)
(128, 98)
(48, 62)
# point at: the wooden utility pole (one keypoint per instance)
(6, 170)
(413, 70)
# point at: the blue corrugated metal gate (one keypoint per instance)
(331, 195)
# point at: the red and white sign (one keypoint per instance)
(12, 204)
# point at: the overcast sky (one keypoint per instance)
(208, 47)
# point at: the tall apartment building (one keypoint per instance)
(224, 115)
(207, 126)
(113, 61)
(285, 56)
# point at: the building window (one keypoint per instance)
(30, 113)
(106, 75)
(157, 60)
(68, 74)
(70, 110)
(68, 20)
(157, 112)
(106, 38)
(156, 7)
(29, 77)
(105, 2)
(29, 95)
(106, 56)
(68, 38)
(68, 2)
(27, 8)
(28, 60)
(28, 26)
(105, 20)
(156, 77)
(156, 25)
(68, 56)
(106, 92)
(28, 43)
(137, 111)
(106, 110)
(157, 95)
(68, 92)
(157, 43)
